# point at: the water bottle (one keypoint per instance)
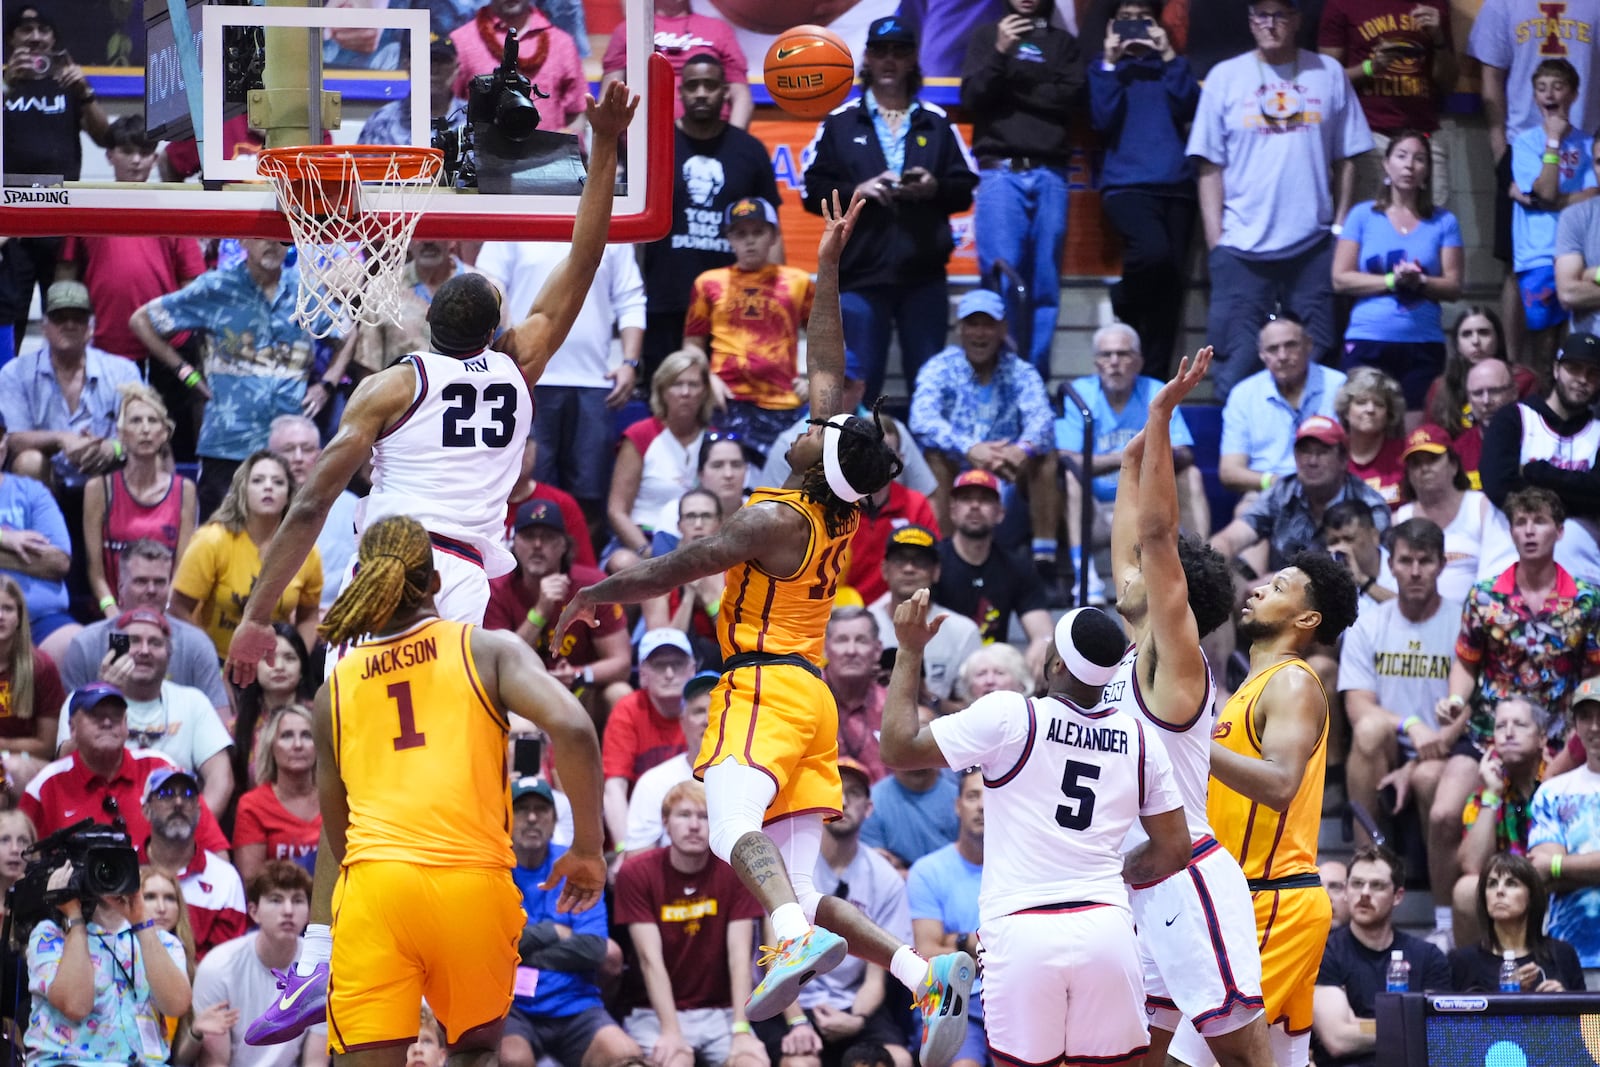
(1509, 983)
(1398, 979)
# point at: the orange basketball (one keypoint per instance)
(809, 71)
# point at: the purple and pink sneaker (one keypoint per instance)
(302, 1003)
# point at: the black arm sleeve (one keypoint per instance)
(1500, 465)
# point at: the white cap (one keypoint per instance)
(664, 637)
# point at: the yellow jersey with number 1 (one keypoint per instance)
(421, 750)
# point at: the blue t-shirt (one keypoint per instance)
(1566, 812)
(911, 825)
(559, 994)
(1533, 233)
(943, 885)
(1398, 317)
(1112, 429)
(27, 505)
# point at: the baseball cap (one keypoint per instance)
(913, 538)
(145, 615)
(891, 28)
(67, 296)
(539, 513)
(703, 682)
(1588, 691)
(87, 696)
(531, 786)
(165, 776)
(1321, 428)
(982, 302)
(1577, 348)
(663, 637)
(749, 207)
(846, 763)
(28, 13)
(1427, 438)
(976, 479)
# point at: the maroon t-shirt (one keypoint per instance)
(692, 911)
(509, 604)
(1385, 471)
(48, 696)
(1404, 96)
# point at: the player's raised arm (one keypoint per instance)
(903, 742)
(825, 328)
(534, 339)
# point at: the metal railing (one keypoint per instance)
(1004, 279)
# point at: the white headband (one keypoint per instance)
(830, 459)
(1076, 662)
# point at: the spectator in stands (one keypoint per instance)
(714, 165)
(563, 1017)
(722, 468)
(30, 687)
(693, 607)
(295, 438)
(1019, 84)
(993, 667)
(36, 553)
(1577, 262)
(683, 37)
(239, 974)
(914, 813)
(256, 358)
(548, 57)
(1335, 878)
(216, 574)
(1370, 406)
(884, 514)
(1118, 398)
(1400, 257)
(281, 818)
(211, 887)
(1272, 184)
(853, 653)
(915, 176)
(530, 598)
(391, 123)
(1496, 819)
(1552, 168)
(164, 903)
(60, 401)
(1477, 336)
(1565, 836)
(1435, 488)
(655, 461)
(430, 1047)
(642, 729)
(1550, 443)
(692, 923)
(579, 388)
(1141, 96)
(645, 822)
(373, 348)
(1356, 959)
(847, 1005)
(747, 318)
(910, 563)
(1510, 900)
(942, 893)
(143, 500)
(1350, 535)
(16, 837)
(1490, 385)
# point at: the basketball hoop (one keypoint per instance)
(350, 256)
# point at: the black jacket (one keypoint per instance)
(1503, 471)
(1019, 105)
(906, 242)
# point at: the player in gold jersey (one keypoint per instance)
(415, 871)
(769, 758)
(1268, 758)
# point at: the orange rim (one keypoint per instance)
(371, 161)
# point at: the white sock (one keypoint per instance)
(317, 947)
(1444, 919)
(789, 922)
(909, 969)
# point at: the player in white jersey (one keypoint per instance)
(445, 430)
(1067, 775)
(1197, 929)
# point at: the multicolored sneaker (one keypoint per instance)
(943, 1003)
(302, 1003)
(790, 966)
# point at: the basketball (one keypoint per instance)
(809, 71)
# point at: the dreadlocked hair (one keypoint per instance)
(395, 565)
(868, 464)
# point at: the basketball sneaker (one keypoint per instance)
(302, 1003)
(791, 965)
(943, 1003)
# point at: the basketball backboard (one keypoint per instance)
(372, 59)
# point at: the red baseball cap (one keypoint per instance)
(1427, 438)
(976, 479)
(1321, 428)
(145, 615)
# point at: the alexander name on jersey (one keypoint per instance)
(397, 657)
(1094, 738)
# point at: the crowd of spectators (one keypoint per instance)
(154, 434)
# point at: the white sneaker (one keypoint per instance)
(1097, 588)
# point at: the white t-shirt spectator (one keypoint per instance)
(1407, 664)
(233, 972)
(1463, 544)
(181, 724)
(646, 828)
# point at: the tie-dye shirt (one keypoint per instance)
(1566, 812)
(754, 320)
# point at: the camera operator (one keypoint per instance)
(100, 985)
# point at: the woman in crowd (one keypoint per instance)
(16, 836)
(692, 608)
(1435, 487)
(721, 469)
(993, 668)
(1477, 336)
(280, 818)
(223, 560)
(1511, 902)
(1373, 410)
(30, 691)
(1400, 257)
(287, 680)
(655, 458)
(144, 499)
(164, 903)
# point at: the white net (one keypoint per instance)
(351, 259)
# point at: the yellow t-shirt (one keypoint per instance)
(219, 569)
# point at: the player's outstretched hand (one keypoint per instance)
(585, 875)
(837, 225)
(1191, 372)
(610, 115)
(911, 626)
(579, 609)
(252, 642)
